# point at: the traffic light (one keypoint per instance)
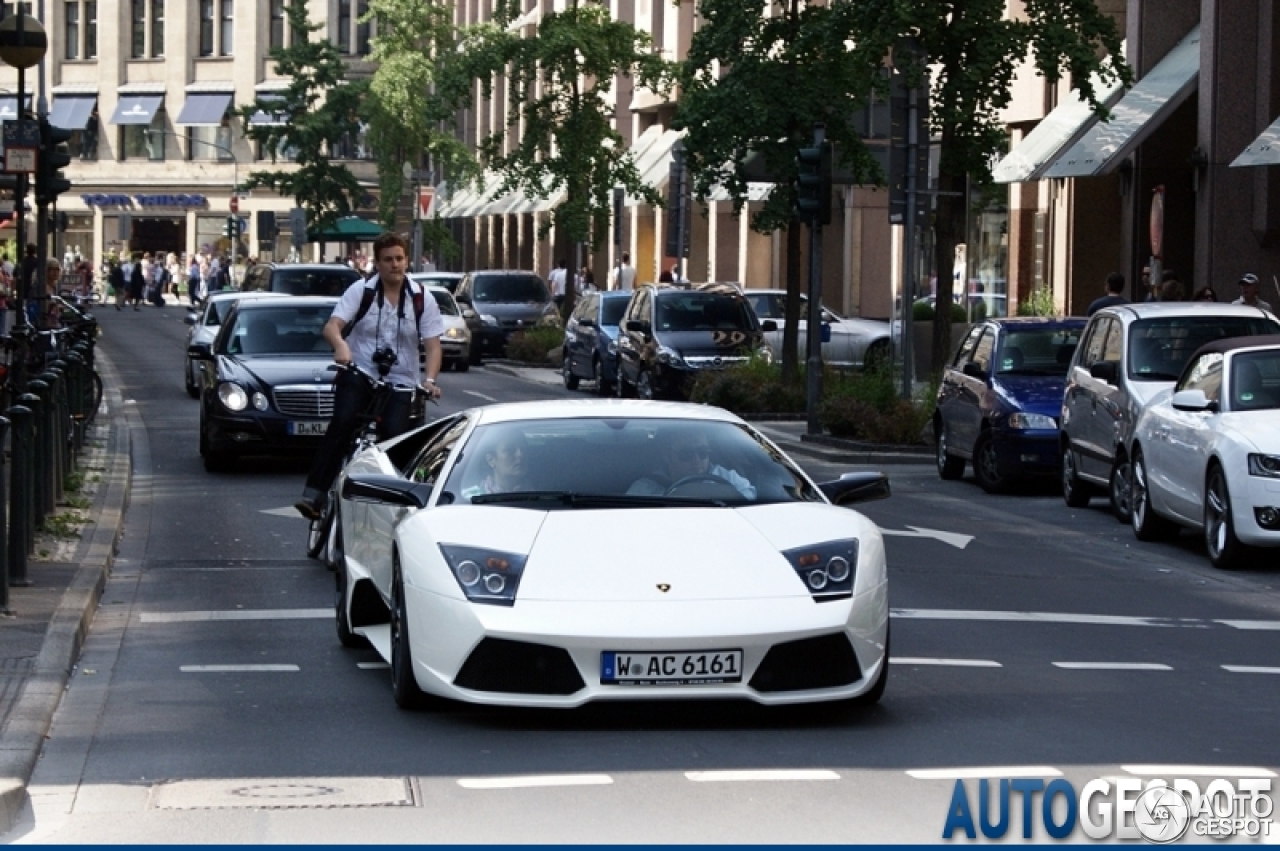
(813, 184)
(231, 229)
(53, 157)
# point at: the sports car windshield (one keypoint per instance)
(1161, 347)
(621, 463)
(279, 331)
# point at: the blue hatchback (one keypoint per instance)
(1001, 397)
(591, 340)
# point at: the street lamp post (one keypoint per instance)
(235, 185)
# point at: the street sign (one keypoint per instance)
(235, 204)
(21, 142)
(426, 198)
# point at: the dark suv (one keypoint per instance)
(669, 334)
(503, 302)
(300, 278)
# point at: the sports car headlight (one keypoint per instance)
(669, 356)
(1264, 465)
(826, 569)
(1025, 421)
(232, 396)
(260, 402)
(485, 576)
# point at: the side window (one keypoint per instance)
(1204, 374)
(966, 347)
(1112, 349)
(984, 349)
(1091, 347)
(427, 466)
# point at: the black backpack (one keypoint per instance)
(373, 289)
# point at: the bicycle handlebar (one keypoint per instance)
(377, 382)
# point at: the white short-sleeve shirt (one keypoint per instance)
(384, 325)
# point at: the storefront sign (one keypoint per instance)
(181, 201)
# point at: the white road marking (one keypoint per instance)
(287, 511)
(957, 663)
(761, 774)
(237, 615)
(237, 669)
(479, 395)
(1250, 624)
(955, 539)
(372, 666)
(1198, 771)
(979, 772)
(1112, 666)
(535, 780)
(1043, 617)
(1250, 669)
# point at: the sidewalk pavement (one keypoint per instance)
(790, 434)
(47, 621)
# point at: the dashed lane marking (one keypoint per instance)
(479, 395)
(1112, 666)
(1198, 771)
(535, 780)
(372, 666)
(1049, 617)
(982, 771)
(1250, 624)
(237, 669)
(956, 663)
(766, 774)
(1250, 669)
(236, 615)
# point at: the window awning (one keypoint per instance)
(9, 108)
(136, 109)
(1137, 115)
(1056, 132)
(1264, 150)
(204, 109)
(263, 118)
(654, 163)
(71, 112)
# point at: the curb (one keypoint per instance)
(43, 688)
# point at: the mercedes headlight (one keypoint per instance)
(1267, 466)
(260, 402)
(827, 569)
(485, 575)
(670, 357)
(1027, 421)
(232, 396)
(489, 319)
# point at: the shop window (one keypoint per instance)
(353, 34)
(84, 143)
(211, 143)
(138, 144)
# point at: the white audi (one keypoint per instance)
(1207, 455)
(555, 553)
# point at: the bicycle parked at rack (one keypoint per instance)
(321, 530)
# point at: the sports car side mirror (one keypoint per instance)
(199, 351)
(389, 490)
(856, 487)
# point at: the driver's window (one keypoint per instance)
(428, 465)
(983, 351)
(966, 348)
(1111, 348)
(1205, 375)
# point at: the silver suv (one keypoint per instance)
(1127, 355)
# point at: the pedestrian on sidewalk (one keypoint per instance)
(137, 283)
(558, 278)
(1249, 288)
(1115, 290)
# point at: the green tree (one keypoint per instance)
(560, 135)
(756, 80)
(973, 51)
(412, 107)
(318, 106)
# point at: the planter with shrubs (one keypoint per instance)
(532, 346)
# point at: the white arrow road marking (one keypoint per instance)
(479, 395)
(955, 539)
(1044, 617)
(531, 781)
(760, 774)
(288, 511)
(979, 772)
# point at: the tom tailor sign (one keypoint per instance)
(183, 201)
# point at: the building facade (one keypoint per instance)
(148, 89)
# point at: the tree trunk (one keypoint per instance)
(791, 323)
(947, 232)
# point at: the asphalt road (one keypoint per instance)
(1029, 639)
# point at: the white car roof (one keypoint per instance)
(237, 294)
(1148, 309)
(586, 408)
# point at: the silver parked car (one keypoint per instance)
(455, 343)
(205, 320)
(853, 343)
(1128, 355)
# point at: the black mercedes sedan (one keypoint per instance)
(266, 386)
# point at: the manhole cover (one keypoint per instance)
(283, 793)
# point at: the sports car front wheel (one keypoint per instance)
(404, 687)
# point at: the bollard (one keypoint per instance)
(65, 438)
(37, 390)
(45, 433)
(20, 503)
(76, 364)
(57, 432)
(4, 528)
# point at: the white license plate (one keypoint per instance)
(308, 429)
(699, 667)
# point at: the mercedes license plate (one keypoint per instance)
(699, 667)
(308, 429)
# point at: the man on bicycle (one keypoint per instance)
(370, 333)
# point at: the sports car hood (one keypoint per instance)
(1039, 394)
(274, 370)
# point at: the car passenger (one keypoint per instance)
(686, 454)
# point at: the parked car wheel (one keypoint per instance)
(644, 386)
(1075, 491)
(604, 387)
(1225, 550)
(877, 356)
(1147, 524)
(570, 380)
(950, 467)
(986, 466)
(1121, 500)
(192, 390)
